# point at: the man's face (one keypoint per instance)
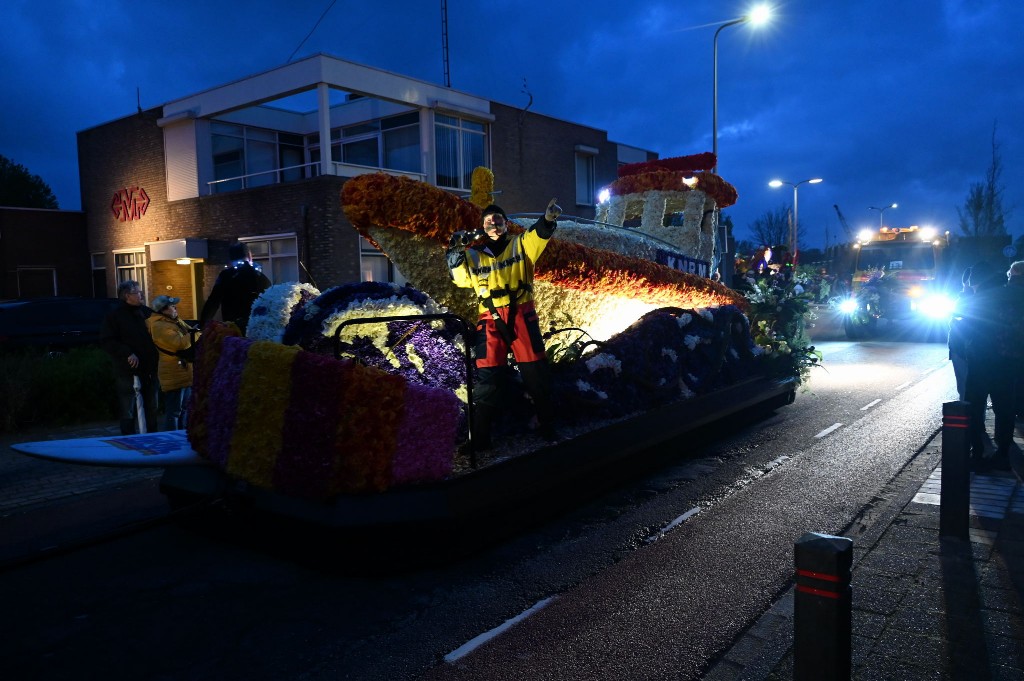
(133, 297)
(494, 226)
(171, 311)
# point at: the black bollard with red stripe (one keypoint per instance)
(822, 609)
(955, 488)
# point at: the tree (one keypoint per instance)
(982, 213)
(772, 228)
(21, 189)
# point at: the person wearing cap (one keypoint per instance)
(237, 286)
(498, 267)
(173, 338)
(124, 335)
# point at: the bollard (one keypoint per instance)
(822, 609)
(955, 487)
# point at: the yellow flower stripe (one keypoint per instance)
(262, 403)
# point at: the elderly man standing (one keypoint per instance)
(125, 336)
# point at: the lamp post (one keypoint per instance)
(757, 16)
(794, 229)
(881, 212)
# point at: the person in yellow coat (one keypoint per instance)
(173, 338)
(499, 269)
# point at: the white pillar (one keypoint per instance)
(323, 93)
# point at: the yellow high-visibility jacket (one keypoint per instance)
(505, 274)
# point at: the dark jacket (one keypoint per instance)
(234, 292)
(992, 327)
(124, 332)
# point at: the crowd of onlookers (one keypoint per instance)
(153, 348)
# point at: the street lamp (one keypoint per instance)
(757, 16)
(881, 211)
(793, 232)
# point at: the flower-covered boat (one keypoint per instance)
(352, 405)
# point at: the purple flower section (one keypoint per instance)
(306, 462)
(426, 435)
(223, 398)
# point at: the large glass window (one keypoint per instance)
(460, 147)
(277, 256)
(254, 157)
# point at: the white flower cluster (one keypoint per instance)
(584, 387)
(691, 341)
(670, 353)
(273, 309)
(620, 240)
(684, 320)
(604, 361)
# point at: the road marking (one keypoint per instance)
(675, 523)
(928, 371)
(870, 404)
(901, 386)
(476, 642)
(828, 430)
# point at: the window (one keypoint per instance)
(460, 147)
(392, 143)
(99, 275)
(278, 256)
(248, 157)
(375, 266)
(586, 185)
(131, 266)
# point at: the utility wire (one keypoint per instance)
(312, 30)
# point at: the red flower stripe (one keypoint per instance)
(722, 192)
(686, 164)
(601, 272)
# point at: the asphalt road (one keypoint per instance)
(651, 580)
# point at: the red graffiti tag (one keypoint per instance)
(130, 204)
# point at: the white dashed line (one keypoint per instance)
(470, 646)
(870, 404)
(901, 386)
(828, 430)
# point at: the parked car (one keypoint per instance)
(54, 323)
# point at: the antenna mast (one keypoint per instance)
(444, 42)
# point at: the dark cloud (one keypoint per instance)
(887, 101)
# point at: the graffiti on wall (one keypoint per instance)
(130, 203)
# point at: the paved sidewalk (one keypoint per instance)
(923, 607)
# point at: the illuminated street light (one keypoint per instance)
(794, 230)
(881, 212)
(757, 16)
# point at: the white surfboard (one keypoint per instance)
(150, 450)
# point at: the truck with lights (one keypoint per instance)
(899, 276)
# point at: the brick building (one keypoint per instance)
(165, 191)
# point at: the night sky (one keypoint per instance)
(888, 101)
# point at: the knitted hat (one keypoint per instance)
(493, 209)
(161, 302)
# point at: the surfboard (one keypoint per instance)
(150, 450)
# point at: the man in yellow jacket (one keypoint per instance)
(173, 338)
(499, 269)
